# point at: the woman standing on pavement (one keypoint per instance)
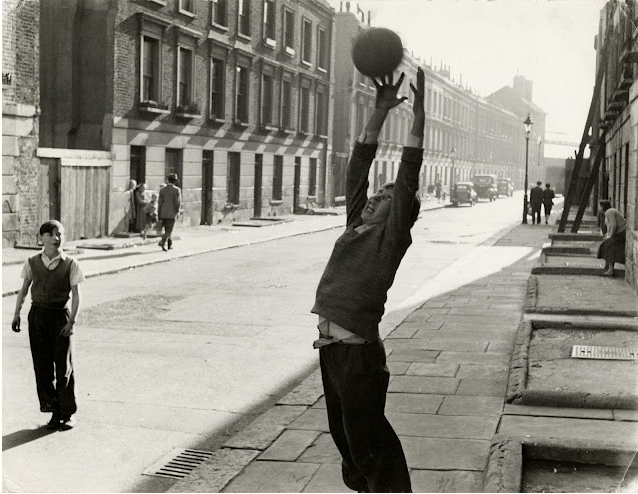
(612, 248)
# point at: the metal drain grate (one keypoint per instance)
(178, 463)
(604, 352)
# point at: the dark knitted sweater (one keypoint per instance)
(354, 286)
(51, 288)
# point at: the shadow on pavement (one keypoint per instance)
(24, 436)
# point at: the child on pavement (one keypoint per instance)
(351, 297)
(150, 210)
(54, 275)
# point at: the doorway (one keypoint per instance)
(207, 188)
(259, 159)
(295, 198)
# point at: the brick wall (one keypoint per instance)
(21, 209)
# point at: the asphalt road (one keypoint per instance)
(181, 354)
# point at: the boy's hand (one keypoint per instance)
(387, 93)
(15, 325)
(419, 94)
(67, 330)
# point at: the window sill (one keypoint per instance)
(322, 70)
(270, 43)
(244, 37)
(239, 123)
(217, 121)
(187, 115)
(158, 2)
(221, 27)
(187, 13)
(289, 51)
(269, 127)
(306, 63)
(311, 198)
(153, 109)
(276, 202)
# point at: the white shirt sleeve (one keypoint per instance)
(26, 271)
(76, 276)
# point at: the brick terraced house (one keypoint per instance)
(233, 96)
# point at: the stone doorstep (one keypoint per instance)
(576, 237)
(574, 271)
(518, 394)
(504, 472)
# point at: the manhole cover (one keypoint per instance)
(178, 463)
(604, 352)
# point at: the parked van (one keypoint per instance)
(505, 187)
(485, 186)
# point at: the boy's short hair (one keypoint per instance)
(416, 202)
(547, 185)
(50, 225)
(605, 204)
(539, 183)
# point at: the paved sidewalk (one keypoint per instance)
(119, 254)
(449, 365)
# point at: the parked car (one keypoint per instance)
(485, 186)
(505, 187)
(463, 192)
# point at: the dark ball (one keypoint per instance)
(377, 52)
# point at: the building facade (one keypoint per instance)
(616, 120)
(464, 133)
(22, 208)
(233, 96)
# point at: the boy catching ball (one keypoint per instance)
(54, 276)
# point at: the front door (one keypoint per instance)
(258, 184)
(207, 188)
(295, 200)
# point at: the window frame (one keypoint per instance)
(213, 115)
(152, 27)
(288, 31)
(312, 178)
(240, 16)
(269, 21)
(264, 98)
(214, 14)
(321, 110)
(303, 124)
(157, 68)
(286, 81)
(306, 41)
(192, 99)
(322, 49)
(238, 118)
(233, 178)
(184, 10)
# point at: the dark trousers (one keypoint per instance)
(52, 360)
(355, 382)
(536, 214)
(548, 209)
(168, 225)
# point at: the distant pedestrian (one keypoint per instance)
(168, 206)
(351, 297)
(438, 188)
(150, 212)
(548, 201)
(54, 275)
(612, 248)
(129, 208)
(141, 200)
(535, 201)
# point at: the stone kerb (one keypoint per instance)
(508, 455)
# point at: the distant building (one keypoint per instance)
(487, 137)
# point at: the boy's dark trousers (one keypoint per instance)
(355, 381)
(52, 358)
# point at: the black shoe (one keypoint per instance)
(161, 244)
(54, 423)
(170, 244)
(68, 423)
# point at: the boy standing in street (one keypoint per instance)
(351, 297)
(54, 275)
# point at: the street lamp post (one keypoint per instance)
(452, 177)
(528, 130)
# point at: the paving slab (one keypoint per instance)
(464, 334)
(273, 476)
(471, 405)
(482, 387)
(403, 344)
(581, 295)
(413, 403)
(445, 454)
(444, 426)
(290, 445)
(432, 369)
(447, 481)
(306, 393)
(628, 415)
(327, 479)
(482, 371)
(566, 429)
(397, 368)
(312, 419)
(323, 451)
(569, 265)
(473, 358)
(455, 344)
(423, 384)
(414, 355)
(266, 428)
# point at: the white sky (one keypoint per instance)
(550, 42)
